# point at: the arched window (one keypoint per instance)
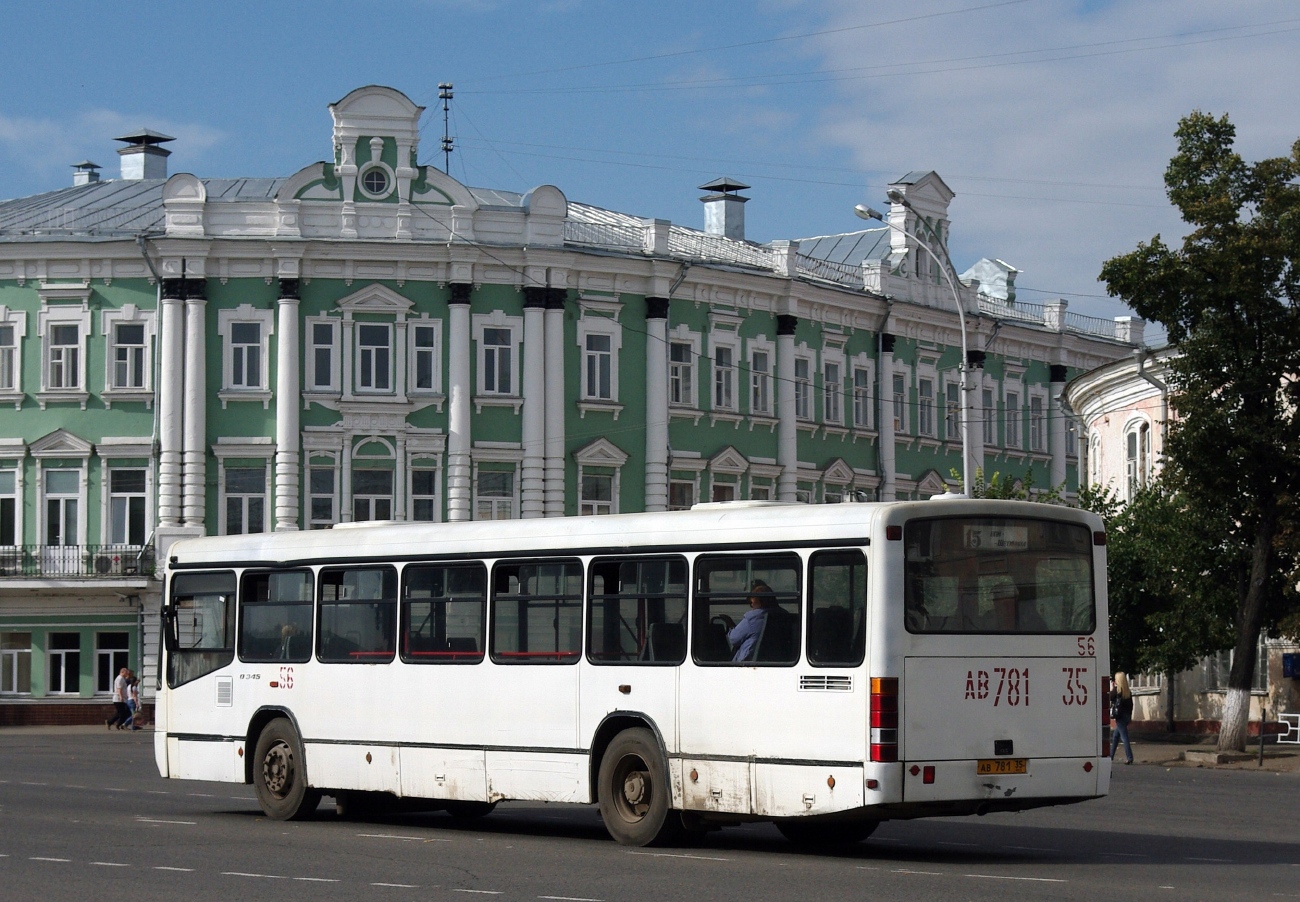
(1137, 457)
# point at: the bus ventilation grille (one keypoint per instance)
(825, 683)
(225, 692)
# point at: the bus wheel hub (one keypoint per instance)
(634, 787)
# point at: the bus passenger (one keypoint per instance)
(744, 635)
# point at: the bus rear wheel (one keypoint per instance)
(634, 793)
(818, 834)
(280, 775)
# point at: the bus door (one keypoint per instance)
(1002, 676)
(761, 732)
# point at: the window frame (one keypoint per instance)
(644, 600)
(363, 655)
(406, 601)
(417, 353)
(245, 314)
(312, 364)
(573, 601)
(508, 352)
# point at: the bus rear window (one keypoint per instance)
(998, 575)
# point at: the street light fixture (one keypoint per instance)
(945, 267)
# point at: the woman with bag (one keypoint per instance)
(1121, 711)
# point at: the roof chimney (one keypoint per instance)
(84, 173)
(143, 158)
(724, 209)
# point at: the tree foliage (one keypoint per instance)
(1227, 299)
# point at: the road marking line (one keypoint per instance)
(201, 795)
(971, 844)
(1027, 879)
(316, 879)
(111, 864)
(922, 873)
(242, 874)
(27, 783)
(570, 899)
(151, 820)
(1214, 860)
(673, 855)
(61, 860)
(398, 885)
(163, 867)
(1031, 849)
(484, 892)
(394, 836)
(158, 792)
(1127, 855)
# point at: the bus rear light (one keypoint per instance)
(884, 718)
(873, 784)
(927, 774)
(1099, 538)
(893, 533)
(1105, 701)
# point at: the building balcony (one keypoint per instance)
(83, 562)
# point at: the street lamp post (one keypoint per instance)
(945, 267)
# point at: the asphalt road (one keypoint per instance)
(86, 817)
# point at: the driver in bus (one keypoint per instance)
(744, 635)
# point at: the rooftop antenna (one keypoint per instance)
(444, 94)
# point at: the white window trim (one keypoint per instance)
(63, 315)
(425, 461)
(927, 371)
(1044, 431)
(731, 342)
(802, 353)
(1013, 385)
(129, 314)
(1144, 461)
(592, 323)
(254, 448)
(425, 322)
(988, 416)
(106, 510)
(835, 355)
(951, 415)
(761, 345)
(497, 456)
(604, 455)
(42, 497)
(497, 319)
(245, 313)
(903, 426)
(683, 335)
(18, 320)
(863, 363)
(334, 388)
(393, 373)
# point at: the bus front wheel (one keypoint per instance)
(634, 793)
(279, 775)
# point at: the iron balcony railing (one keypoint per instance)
(76, 561)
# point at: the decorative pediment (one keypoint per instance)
(61, 443)
(931, 484)
(728, 460)
(375, 298)
(600, 453)
(838, 473)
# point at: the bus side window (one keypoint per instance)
(724, 585)
(358, 615)
(200, 618)
(537, 612)
(637, 611)
(442, 613)
(837, 604)
(275, 615)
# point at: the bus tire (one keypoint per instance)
(280, 774)
(634, 791)
(819, 834)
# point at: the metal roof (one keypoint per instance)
(849, 248)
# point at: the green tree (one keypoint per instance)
(1227, 298)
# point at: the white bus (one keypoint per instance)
(903, 660)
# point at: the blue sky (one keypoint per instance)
(1052, 120)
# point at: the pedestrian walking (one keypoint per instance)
(121, 713)
(1121, 711)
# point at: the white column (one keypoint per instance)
(533, 475)
(459, 394)
(885, 423)
(787, 429)
(1057, 425)
(195, 456)
(555, 402)
(656, 404)
(288, 401)
(171, 385)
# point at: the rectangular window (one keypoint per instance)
(722, 491)
(15, 663)
(8, 508)
(925, 407)
(321, 361)
(724, 378)
(537, 612)
(426, 358)
(681, 496)
(998, 575)
(990, 417)
(374, 358)
(424, 495)
(497, 367)
(637, 612)
(127, 523)
(112, 653)
(1219, 666)
(760, 375)
(128, 355)
(65, 356)
(64, 674)
(1013, 420)
(747, 609)
(320, 499)
(495, 495)
(597, 494)
(358, 615)
(245, 355)
(200, 623)
(275, 614)
(8, 359)
(862, 398)
(681, 357)
(837, 599)
(1037, 425)
(803, 388)
(62, 493)
(443, 610)
(598, 368)
(900, 403)
(372, 495)
(832, 394)
(245, 500)
(952, 414)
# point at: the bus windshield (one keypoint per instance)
(998, 575)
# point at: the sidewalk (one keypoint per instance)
(1184, 751)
